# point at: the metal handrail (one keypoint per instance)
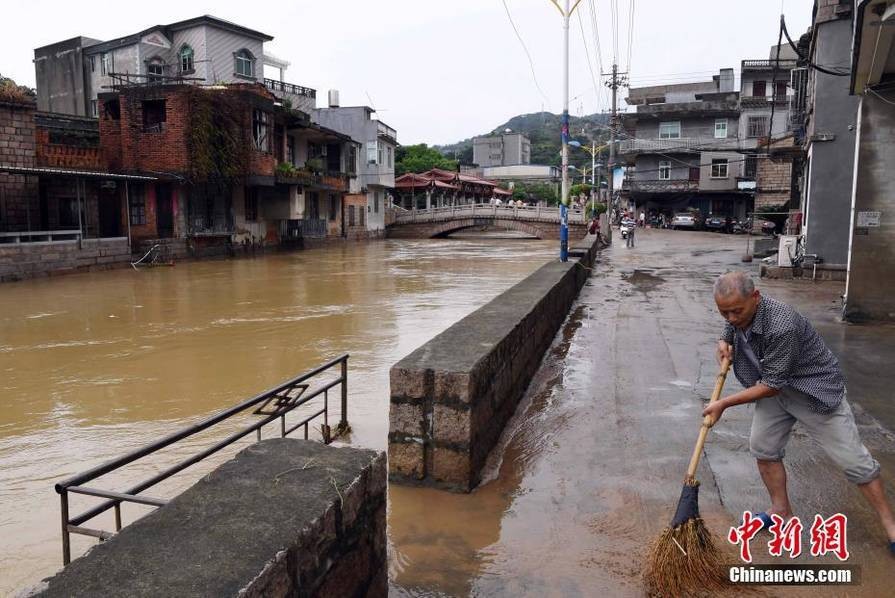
(75, 484)
(537, 213)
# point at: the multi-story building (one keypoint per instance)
(507, 149)
(682, 148)
(825, 115)
(376, 171)
(73, 73)
(234, 165)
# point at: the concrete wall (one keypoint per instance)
(284, 518)
(60, 77)
(871, 265)
(30, 260)
(734, 169)
(831, 163)
(451, 398)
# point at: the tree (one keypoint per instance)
(10, 92)
(420, 158)
(536, 192)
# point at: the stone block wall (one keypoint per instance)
(30, 260)
(283, 518)
(18, 203)
(451, 398)
(773, 182)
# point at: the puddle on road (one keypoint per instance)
(643, 280)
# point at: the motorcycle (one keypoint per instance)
(626, 227)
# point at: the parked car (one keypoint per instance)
(721, 224)
(687, 220)
(760, 225)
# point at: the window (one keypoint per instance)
(670, 130)
(107, 63)
(757, 126)
(372, 152)
(381, 154)
(112, 109)
(720, 128)
(94, 108)
(154, 116)
(290, 150)
(360, 216)
(719, 168)
(137, 200)
(68, 212)
(245, 64)
(186, 59)
(251, 204)
(261, 130)
(376, 201)
(155, 69)
(352, 159)
(780, 89)
(391, 163)
(332, 207)
(93, 64)
(351, 215)
(664, 170)
(750, 166)
(759, 89)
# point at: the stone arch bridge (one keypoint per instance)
(540, 222)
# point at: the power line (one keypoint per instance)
(594, 26)
(590, 66)
(531, 63)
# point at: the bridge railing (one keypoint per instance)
(482, 210)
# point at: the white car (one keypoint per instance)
(684, 220)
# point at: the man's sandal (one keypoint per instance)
(767, 522)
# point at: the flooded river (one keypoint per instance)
(94, 365)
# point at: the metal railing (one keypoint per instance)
(783, 63)
(40, 236)
(312, 228)
(485, 210)
(660, 185)
(271, 405)
(682, 144)
(386, 131)
(274, 85)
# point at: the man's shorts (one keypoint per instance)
(836, 432)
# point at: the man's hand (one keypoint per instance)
(725, 351)
(714, 410)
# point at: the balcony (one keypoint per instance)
(765, 101)
(682, 145)
(330, 181)
(308, 228)
(768, 65)
(714, 107)
(383, 130)
(660, 185)
(301, 98)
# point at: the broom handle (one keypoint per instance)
(707, 422)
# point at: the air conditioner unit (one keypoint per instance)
(786, 250)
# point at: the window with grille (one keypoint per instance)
(154, 116)
(351, 215)
(757, 126)
(251, 204)
(137, 200)
(719, 168)
(750, 166)
(360, 216)
(244, 63)
(155, 69)
(332, 208)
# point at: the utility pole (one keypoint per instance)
(566, 13)
(617, 80)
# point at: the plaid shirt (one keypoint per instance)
(790, 354)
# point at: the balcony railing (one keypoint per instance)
(330, 181)
(763, 65)
(308, 228)
(274, 85)
(764, 101)
(681, 144)
(386, 131)
(660, 185)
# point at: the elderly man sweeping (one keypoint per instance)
(791, 376)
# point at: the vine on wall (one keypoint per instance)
(217, 137)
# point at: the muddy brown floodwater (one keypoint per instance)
(95, 365)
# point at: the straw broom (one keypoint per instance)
(684, 560)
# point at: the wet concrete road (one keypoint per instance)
(593, 461)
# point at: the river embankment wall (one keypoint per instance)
(20, 261)
(285, 517)
(452, 397)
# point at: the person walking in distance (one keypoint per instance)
(791, 376)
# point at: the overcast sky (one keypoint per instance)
(440, 71)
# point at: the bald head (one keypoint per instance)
(736, 298)
(734, 283)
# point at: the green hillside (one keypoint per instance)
(543, 129)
